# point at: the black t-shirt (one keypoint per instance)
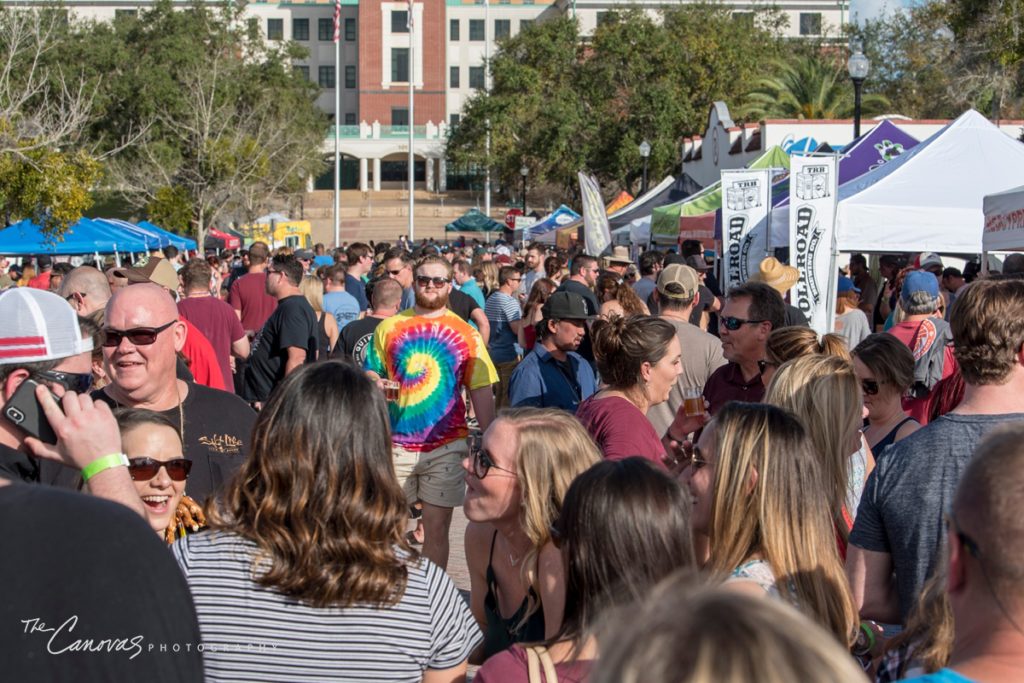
(218, 427)
(462, 304)
(18, 466)
(293, 323)
(585, 350)
(355, 339)
(704, 301)
(80, 570)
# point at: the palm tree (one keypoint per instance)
(807, 87)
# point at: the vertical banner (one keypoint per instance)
(812, 195)
(596, 234)
(746, 203)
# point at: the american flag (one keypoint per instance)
(337, 20)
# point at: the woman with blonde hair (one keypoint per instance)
(823, 391)
(307, 551)
(488, 277)
(787, 343)
(756, 486)
(312, 288)
(515, 483)
(618, 298)
(687, 635)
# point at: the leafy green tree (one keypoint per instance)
(808, 87)
(171, 208)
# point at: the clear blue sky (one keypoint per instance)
(873, 9)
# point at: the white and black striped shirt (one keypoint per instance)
(255, 633)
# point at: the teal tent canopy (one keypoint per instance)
(474, 221)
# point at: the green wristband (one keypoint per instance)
(105, 463)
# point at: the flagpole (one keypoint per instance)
(487, 89)
(412, 120)
(337, 127)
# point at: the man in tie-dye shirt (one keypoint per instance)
(432, 354)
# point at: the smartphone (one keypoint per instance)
(25, 411)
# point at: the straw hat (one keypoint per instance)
(620, 254)
(776, 275)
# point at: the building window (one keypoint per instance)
(453, 29)
(302, 70)
(325, 29)
(399, 116)
(350, 76)
(350, 29)
(453, 77)
(125, 14)
(476, 77)
(810, 23)
(275, 29)
(502, 28)
(604, 17)
(400, 65)
(325, 76)
(525, 24)
(453, 120)
(476, 29)
(300, 29)
(399, 21)
(350, 118)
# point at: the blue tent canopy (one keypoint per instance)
(176, 239)
(152, 239)
(25, 238)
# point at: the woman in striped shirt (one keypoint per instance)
(306, 574)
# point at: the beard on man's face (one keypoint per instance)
(437, 302)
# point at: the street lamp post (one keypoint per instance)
(857, 66)
(524, 171)
(645, 152)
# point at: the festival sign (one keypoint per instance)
(596, 233)
(812, 195)
(745, 209)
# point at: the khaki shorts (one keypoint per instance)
(435, 477)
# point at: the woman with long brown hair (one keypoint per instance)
(306, 562)
(618, 298)
(532, 313)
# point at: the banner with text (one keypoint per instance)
(746, 204)
(596, 233)
(812, 195)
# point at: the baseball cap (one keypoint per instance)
(155, 270)
(43, 261)
(677, 281)
(304, 254)
(846, 285)
(929, 259)
(697, 263)
(565, 306)
(919, 281)
(38, 325)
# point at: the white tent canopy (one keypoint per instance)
(1004, 221)
(930, 197)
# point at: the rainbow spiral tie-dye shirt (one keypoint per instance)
(431, 358)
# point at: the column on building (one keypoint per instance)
(364, 182)
(442, 175)
(376, 175)
(428, 176)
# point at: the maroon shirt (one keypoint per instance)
(510, 666)
(249, 295)
(620, 429)
(218, 322)
(727, 384)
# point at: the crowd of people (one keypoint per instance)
(244, 466)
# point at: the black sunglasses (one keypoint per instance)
(483, 462)
(144, 469)
(139, 336)
(438, 282)
(78, 382)
(869, 386)
(732, 324)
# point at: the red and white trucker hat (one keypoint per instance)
(38, 325)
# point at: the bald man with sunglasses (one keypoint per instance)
(142, 338)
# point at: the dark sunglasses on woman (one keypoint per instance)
(144, 469)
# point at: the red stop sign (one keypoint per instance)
(510, 217)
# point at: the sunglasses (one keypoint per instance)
(139, 336)
(870, 386)
(483, 462)
(78, 382)
(732, 324)
(438, 282)
(144, 469)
